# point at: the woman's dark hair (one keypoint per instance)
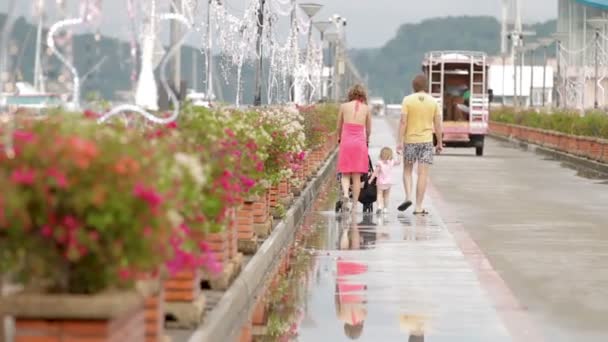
(357, 92)
(416, 338)
(420, 83)
(353, 331)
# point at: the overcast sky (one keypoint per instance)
(370, 22)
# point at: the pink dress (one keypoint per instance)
(353, 153)
(384, 168)
(350, 292)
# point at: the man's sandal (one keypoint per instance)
(423, 212)
(404, 206)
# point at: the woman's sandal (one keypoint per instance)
(423, 212)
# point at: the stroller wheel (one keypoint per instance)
(338, 206)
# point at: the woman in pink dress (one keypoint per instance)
(354, 130)
(350, 295)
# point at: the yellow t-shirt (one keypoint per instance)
(421, 109)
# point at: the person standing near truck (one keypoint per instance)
(420, 115)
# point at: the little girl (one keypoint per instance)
(382, 173)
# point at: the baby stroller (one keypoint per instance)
(368, 194)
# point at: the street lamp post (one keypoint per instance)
(332, 39)
(311, 9)
(532, 47)
(545, 43)
(598, 24)
(559, 80)
(209, 93)
(322, 27)
(257, 99)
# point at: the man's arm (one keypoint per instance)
(439, 129)
(402, 128)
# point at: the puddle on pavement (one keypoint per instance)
(367, 276)
(581, 171)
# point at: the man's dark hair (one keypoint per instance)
(420, 83)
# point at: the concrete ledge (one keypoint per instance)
(236, 306)
(558, 155)
(100, 306)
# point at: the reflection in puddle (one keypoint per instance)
(378, 278)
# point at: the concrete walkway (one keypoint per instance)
(396, 277)
(543, 226)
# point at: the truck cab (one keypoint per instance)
(458, 81)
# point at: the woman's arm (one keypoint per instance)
(340, 122)
(368, 124)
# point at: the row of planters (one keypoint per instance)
(106, 226)
(583, 136)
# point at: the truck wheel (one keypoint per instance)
(479, 151)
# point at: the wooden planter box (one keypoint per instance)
(262, 224)
(62, 318)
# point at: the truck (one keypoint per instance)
(458, 80)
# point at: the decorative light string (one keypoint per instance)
(163, 78)
(50, 41)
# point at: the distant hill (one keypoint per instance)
(390, 68)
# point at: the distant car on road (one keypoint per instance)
(393, 110)
(378, 106)
(199, 100)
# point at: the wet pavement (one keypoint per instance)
(515, 249)
(395, 277)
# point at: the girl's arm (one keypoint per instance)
(398, 160)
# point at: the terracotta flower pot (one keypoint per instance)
(184, 286)
(596, 149)
(153, 292)
(102, 317)
(583, 147)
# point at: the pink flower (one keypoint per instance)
(71, 223)
(147, 231)
(23, 136)
(59, 177)
(172, 125)
(94, 236)
(46, 231)
(259, 167)
(148, 195)
(247, 182)
(23, 176)
(229, 132)
(89, 114)
(124, 274)
(252, 145)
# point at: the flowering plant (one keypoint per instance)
(82, 206)
(285, 126)
(319, 121)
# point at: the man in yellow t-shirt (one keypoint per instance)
(420, 116)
